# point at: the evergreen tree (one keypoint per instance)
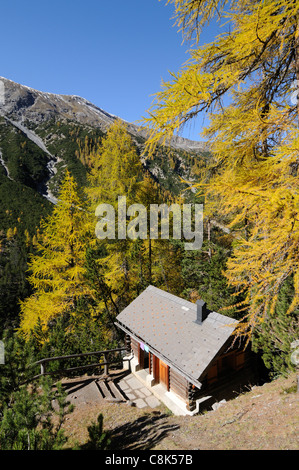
(26, 411)
(98, 438)
(14, 286)
(14, 371)
(202, 272)
(27, 423)
(273, 337)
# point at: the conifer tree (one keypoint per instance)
(116, 168)
(130, 265)
(13, 283)
(26, 412)
(273, 337)
(116, 172)
(149, 192)
(254, 137)
(57, 270)
(27, 422)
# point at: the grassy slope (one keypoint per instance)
(264, 418)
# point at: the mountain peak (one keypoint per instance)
(23, 103)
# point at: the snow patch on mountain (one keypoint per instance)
(4, 166)
(30, 134)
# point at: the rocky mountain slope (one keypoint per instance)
(47, 132)
(24, 103)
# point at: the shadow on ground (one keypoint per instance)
(142, 434)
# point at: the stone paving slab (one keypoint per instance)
(83, 392)
(137, 392)
(140, 403)
(146, 392)
(152, 401)
(133, 383)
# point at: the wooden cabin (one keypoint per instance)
(184, 348)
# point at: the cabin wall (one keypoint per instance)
(227, 363)
(178, 384)
(151, 363)
(229, 375)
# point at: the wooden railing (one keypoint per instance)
(105, 363)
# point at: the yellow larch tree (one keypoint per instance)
(57, 271)
(253, 178)
(115, 168)
(116, 171)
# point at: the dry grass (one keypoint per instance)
(264, 418)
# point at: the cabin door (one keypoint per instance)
(164, 374)
(161, 372)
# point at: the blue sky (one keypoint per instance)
(113, 53)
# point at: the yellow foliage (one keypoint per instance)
(253, 178)
(57, 271)
(116, 167)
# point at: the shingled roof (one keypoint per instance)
(167, 325)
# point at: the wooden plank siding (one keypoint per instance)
(233, 360)
(230, 380)
(178, 384)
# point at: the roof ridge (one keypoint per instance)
(173, 297)
(219, 317)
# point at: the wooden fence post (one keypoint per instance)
(106, 364)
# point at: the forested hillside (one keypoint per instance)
(37, 144)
